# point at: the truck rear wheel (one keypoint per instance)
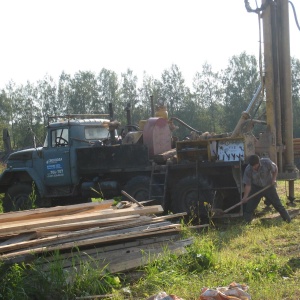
(20, 196)
(138, 187)
(194, 197)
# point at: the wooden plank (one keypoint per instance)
(80, 235)
(143, 258)
(103, 232)
(139, 244)
(53, 211)
(21, 226)
(118, 256)
(19, 239)
(72, 236)
(116, 262)
(121, 255)
(45, 231)
(173, 216)
(23, 255)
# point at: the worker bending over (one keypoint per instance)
(260, 173)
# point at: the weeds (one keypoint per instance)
(32, 198)
(35, 281)
(98, 192)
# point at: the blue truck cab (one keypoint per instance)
(48, 175)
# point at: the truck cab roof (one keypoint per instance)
(78, 119)
(77, 130)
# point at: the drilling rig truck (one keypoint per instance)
(84, 157)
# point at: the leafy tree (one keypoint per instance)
(208, 98)
(129, 94)
(240, 81)
(5, 107)
(84, 92)
(47, 99)
(5, 113)
(190, 115)
(174, 90)
(179, 100)
(108, 91)
(150, 88)
(64, 92)
(295, 64)
(25, 114)
(11, 96)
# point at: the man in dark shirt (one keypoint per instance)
(260, 173)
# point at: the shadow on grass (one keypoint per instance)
(294, 263)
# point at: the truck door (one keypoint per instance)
(57, 158)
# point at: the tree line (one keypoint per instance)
(213, 103)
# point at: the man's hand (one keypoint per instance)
(244, 200)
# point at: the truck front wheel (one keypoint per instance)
(20, 196)
(194, 197)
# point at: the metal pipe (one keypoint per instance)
(254, 99)
(186, 125)
(286, 83)
(277, 98)
(269, 83)
(291, 190)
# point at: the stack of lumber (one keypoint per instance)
(115, 239)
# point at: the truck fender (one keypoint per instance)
(23, 174)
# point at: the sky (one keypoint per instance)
(40, 37)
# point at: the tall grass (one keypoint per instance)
(35, 281)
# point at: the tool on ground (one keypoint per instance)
(220, 211)
(132, 199)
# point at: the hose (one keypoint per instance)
(258, 9)
(186, 125)
(295, 14)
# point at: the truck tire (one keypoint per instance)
(138, 187)
(194, 197)
(20, 197)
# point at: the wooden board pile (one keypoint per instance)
(115, 239)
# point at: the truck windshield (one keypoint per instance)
(96, 133)
(46, 141)
(59, 137)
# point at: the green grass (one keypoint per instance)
(263, 255)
